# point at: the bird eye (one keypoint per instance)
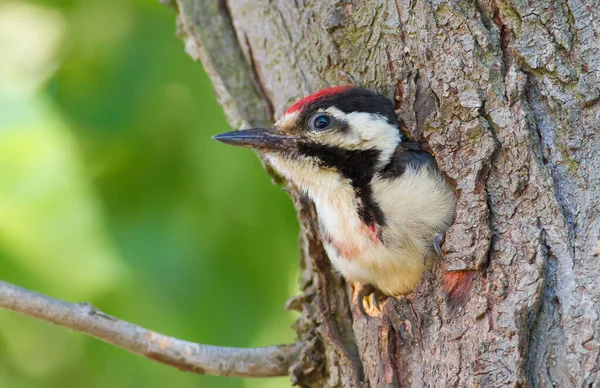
(320, 121)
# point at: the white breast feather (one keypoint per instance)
(416, 205)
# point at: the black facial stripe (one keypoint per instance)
(356, 165)
(354, 100)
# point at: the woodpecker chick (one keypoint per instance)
(380, 198)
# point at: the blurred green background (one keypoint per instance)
(112, 192)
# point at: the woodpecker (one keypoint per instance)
(381, 201)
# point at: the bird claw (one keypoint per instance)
(364, 292)
(438, 238)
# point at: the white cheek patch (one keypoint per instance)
(366, 130)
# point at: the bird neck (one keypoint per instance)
(347, 221)
(345, 185)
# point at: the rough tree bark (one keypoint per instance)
(505, 94)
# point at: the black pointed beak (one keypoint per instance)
(261, 139)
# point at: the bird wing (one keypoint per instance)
(411, 155)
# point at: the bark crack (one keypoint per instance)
(258, 82)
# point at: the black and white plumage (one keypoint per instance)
(380, 198)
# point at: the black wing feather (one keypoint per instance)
(408, 154)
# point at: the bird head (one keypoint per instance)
(344, 130)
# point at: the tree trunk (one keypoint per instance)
(505, 95)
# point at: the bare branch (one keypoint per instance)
(187, 356)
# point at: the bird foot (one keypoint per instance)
(438, 239)
(364, 292)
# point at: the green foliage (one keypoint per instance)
(112, 192)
